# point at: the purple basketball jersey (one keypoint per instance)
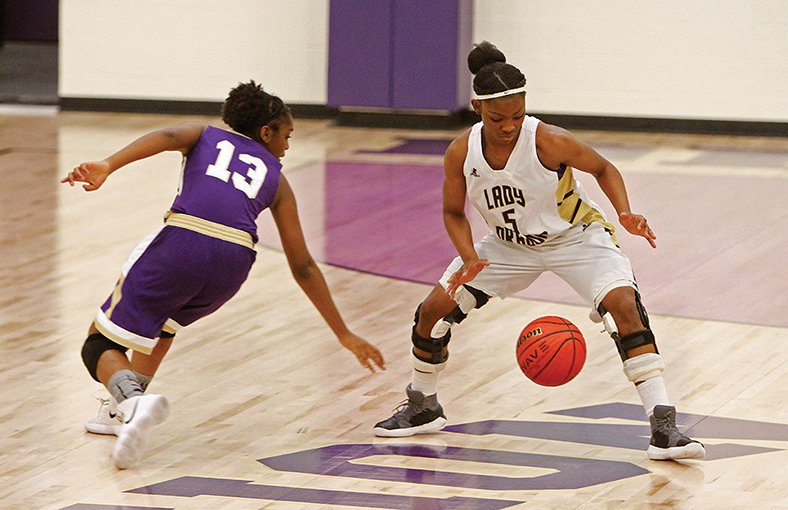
(229, 179)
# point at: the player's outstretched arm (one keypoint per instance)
(557, 146)
(309, 277)
(457, 226)
(176, 138)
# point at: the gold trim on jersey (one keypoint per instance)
(123, 337)
(209, 228)
(572, 208)
(169, 329)
(116, 295)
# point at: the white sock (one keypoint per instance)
(653, 393)
(425, 375)
(426, 383)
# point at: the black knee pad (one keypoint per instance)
(95, 345)
(434, 346)
(634, 340)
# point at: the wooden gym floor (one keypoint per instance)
(269, 412)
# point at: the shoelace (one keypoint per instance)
(402, 406)
(103, 402)
(666, 423)
(106, 403)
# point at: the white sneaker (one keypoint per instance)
(108, 419)
(140, 415)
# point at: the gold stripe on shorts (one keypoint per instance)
(209, 228)
(116, 295)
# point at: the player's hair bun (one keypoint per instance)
(483, 54)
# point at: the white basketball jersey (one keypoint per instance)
(524, 203)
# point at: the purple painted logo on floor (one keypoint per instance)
(566, 473)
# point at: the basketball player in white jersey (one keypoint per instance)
(518, 173)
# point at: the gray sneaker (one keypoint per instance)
(418, 415)
(667, 442)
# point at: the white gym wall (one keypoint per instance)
(194, 50)
(699, 59)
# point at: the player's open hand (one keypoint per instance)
(92, 173)
(636, 224)
(367, 354)
(466, 273)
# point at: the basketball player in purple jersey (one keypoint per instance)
(518, 173)
(199, 258)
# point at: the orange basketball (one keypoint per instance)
(551, 351)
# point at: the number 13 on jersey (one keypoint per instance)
(255, 172)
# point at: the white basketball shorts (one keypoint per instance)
(586, 258)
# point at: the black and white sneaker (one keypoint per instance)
(667, 443)
(419, 414)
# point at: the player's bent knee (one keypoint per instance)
(624, 305)
(467, 298)
(636, 340)
(96, 345)
(435, 348)
(626, 343)
(644, 366)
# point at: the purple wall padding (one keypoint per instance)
(359, 53)
(427, 48)
(399, 54)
